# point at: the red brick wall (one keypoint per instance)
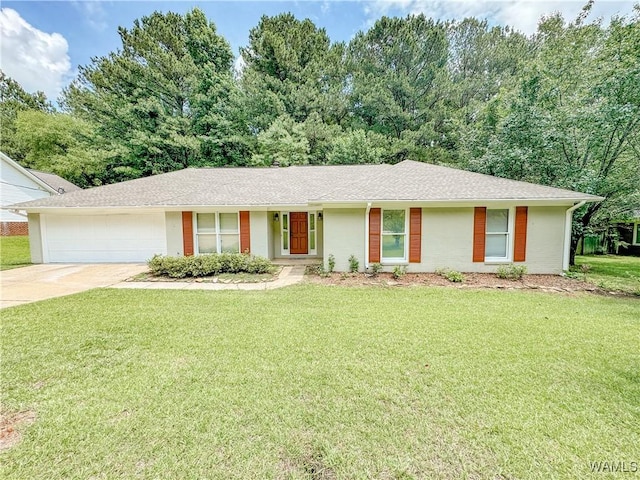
(8, 229)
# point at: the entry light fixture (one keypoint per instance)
(319, 215)
(276, 217)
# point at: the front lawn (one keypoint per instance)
(321, 382)
(14, 252)
(611, 272)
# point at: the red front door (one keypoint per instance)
(299, 228)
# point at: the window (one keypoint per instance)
(394, 236)
(636, 233)
(217, 232)
(497, 234)
(312, 232)
(285, 232)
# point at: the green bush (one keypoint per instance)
(354, 264)
(451, 275)
(332, 263)
(454, 276)
(375, 268)
(208, 264)
(511, 272)
(399, 271)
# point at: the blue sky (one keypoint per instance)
(43, 43)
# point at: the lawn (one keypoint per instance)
(611, 272)
(14, 252)
(386, 383)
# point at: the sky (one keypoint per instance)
(42, 44)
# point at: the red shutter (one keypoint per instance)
(479, 231)
(415, 235)
(245, 232)
(520, 235)
(375, 220)
(187, 233)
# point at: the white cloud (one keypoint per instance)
(523, 15)
(94, 14)
(35, 59)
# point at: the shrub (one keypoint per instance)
(451, 275)
(454, 276)
(354, 264)
(375, 268)
(332, 263)
(399, 271)
(511, 272)
(208, 264)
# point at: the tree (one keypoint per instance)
(357, 147)
(62, 144)
(398, 68)
(574, 119)
(14, 99)
(292, 68)
(282, 144)
(161, 101)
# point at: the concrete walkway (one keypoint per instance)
(289, 275)
(39, 282)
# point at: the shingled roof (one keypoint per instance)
(56, 182)
(301, 185)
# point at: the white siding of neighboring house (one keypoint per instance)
(17, 187)
(447, 239)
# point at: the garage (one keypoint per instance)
(102, 238)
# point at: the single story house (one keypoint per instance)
(21, 184)
(414, 214)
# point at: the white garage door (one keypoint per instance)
(103, 238)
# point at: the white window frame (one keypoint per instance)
(635, 240)
(394, 260)
(287, 232)
(509, 233)
(217, 233)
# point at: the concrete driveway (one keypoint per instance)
(39, 282)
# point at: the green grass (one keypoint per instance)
(611, 272)
(386, 383)
(14, 252)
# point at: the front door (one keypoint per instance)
(298, 233)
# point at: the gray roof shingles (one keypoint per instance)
(300, 185)
(56, 182)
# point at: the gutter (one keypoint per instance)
(567, 235)
(366, 237)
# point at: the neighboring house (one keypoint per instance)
(629, 233)
(414, 214)
(19, 184)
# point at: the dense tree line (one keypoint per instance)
(561, 107)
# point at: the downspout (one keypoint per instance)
(567, 235)
(366, 237)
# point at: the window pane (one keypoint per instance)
(312, 221)
(393, 221)
(285, 240)
(285, 221)
(496, 246)
(228, 223)
(312, 241)
(206, 243)
(206, 222)
(393, 246)
(497, 220)
(230, 243)
(638, 233)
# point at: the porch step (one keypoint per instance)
(296, 261)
